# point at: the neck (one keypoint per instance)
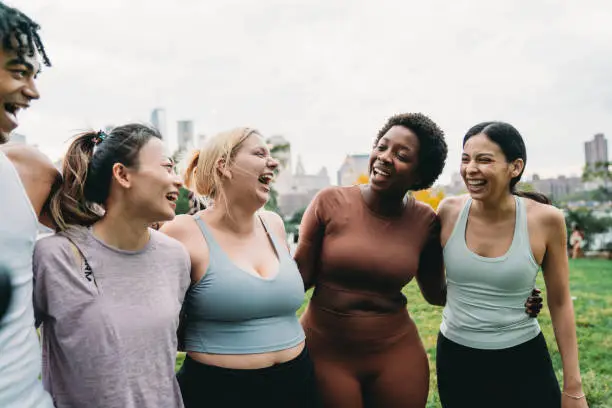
(495, 209)
(235, 218)
(383, 204)
(122, 229)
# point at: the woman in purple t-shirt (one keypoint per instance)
(108, 289)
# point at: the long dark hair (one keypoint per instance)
(512, 145)
(88, 172)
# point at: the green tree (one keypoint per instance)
(272, 204)
(599, 171)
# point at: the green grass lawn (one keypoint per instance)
(591, 284)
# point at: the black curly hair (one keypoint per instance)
(17, 27)
(432, 151)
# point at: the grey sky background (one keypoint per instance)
(326, 74)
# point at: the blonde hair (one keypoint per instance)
(201, 174)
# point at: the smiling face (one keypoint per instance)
(394, 161)
(17, 88)
(152, 185)
(252, 170)
(485, 169)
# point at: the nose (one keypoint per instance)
(384, 157)
(273, 163)
(177, 181)
(471, 167)
(30, 90)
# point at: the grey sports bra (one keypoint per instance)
(231, 311)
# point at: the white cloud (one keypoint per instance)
(328, 74)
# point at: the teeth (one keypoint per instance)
(476, 182)
(381, 172)
(172, 196)
(265, 179)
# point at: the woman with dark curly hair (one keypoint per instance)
(359, 246)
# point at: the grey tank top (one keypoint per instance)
(486, 296)
(20, 358)
(231, 311)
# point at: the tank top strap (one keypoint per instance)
(213, 246)
(521, 223)
(461, 223)
(270, 235)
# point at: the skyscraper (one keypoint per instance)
(596, 150)
(158, 120)
(185, 135)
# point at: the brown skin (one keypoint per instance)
(17, 87)
(396, 155)
(489, 234)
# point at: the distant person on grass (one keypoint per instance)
(108, 289)
(577, 242)
(26, 179)
(244, 343)
(495, 239)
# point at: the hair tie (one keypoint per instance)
(99, 137)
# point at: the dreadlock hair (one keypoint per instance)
(14, 26)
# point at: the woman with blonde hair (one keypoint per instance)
(244, 343)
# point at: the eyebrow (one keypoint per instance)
(21, 61)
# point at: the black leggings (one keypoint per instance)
(519, 376)
(291, 384)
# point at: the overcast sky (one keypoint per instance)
(326, 74)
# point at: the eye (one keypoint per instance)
(19, 73)
(403, 157)
(381, 147)
(465, 159)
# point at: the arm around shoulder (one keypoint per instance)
(556, 276)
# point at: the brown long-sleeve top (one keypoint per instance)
(359, 261)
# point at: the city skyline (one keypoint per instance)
(327, 75)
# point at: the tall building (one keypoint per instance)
(596, 150)
(158, 120)
(354, 170)
(185, 135)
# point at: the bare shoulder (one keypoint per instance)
(29, 156)
(275, 221)
(545, 215)
(179, 228)
(449, 207)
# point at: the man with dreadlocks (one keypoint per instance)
(26, 180)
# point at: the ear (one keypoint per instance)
(222, 169)
(122, 175)
(516, 167)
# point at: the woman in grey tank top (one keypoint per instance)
(244, 343)
(108, 289)
(490, 354)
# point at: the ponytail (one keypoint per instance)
(532, 195)
(68, 204)
(190, 172)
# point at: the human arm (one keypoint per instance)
(556, 276)
(430, 275)
(39, 177)
(311, 232)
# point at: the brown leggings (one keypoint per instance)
(364, 361)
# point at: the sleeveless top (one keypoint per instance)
(231, 311)
(486, 296)
(20, 355)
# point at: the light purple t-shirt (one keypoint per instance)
(109, 331)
